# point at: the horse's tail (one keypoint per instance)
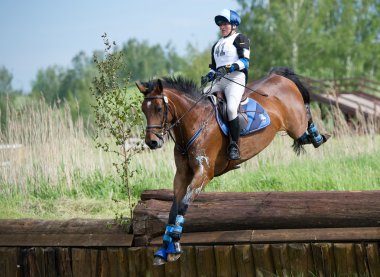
(289, 73)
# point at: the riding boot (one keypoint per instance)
(233, 148)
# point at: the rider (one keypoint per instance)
(229, 68)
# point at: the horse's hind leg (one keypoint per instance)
(311, 135)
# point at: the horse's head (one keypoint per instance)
(155, 108)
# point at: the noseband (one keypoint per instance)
(164, 123)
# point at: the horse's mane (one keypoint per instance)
(183, 85)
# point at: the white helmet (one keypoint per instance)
(228, 16)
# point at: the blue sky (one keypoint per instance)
(40, 33)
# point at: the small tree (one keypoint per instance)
(117, 115)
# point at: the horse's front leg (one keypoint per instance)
(188, 182)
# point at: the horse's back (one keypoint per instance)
(284, 103)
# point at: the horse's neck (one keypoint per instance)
(189, 115)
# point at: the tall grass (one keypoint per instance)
(60, 173)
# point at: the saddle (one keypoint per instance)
(252, 116)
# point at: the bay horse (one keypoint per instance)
(177, 106)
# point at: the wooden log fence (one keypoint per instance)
(337, 234)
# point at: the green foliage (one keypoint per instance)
(57, 85)
(145, 62)
(322, 39)
(117, 114)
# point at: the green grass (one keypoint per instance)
(347, 163)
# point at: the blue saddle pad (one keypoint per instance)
(257, 118)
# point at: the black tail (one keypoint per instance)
(289, 73)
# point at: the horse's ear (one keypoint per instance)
(159, 85)
(143, 88)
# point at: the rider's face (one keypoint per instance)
(225, 28)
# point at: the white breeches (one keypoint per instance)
(232, 91)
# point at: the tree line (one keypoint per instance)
(317, 38)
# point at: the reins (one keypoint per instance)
(259, 93)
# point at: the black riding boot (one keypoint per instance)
(233, 148)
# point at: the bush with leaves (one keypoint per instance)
(117, 114)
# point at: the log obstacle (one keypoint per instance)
(225, 234)
(220, 211)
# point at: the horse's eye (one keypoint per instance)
(158, 109)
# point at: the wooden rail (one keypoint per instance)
(283, 259)
(277, 234)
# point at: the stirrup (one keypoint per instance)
(233, 151)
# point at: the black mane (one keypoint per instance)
(186, 86)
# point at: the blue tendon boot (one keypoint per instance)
(174, 249)
(160, 256)
(315, 137)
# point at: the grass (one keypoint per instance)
(58, 173)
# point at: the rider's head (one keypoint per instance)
(227, 20)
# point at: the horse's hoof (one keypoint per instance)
(173, 257)
(158, 261)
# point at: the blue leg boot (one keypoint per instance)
(316, 138)
(174, 249)
(160, 256)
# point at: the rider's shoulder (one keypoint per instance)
(242, 39)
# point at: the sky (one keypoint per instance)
(41, 33)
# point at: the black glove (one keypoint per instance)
(207, 78)
(223, 70)
(204, 80)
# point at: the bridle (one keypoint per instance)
(164, 124)
(165, 128)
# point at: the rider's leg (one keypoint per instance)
(234, 92)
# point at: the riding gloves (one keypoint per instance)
(208, 78)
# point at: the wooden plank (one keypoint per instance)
(136, 261)
(244, 260)
(49, 263)
(317, 234)
(84, 262)
(33, 263)
(345, 259)
(281, 259)
(262, 257)
(301, 259)
(173, 269)
(373, 258)
(205, 260)
(118, 261)
(224, 260)
(277, 210)
(64, 262)
(324, 259)
(278, 236)
(62, 240)
(188, 262)
(361, 259)
(199, 238)
(72, 226)
(10, 261)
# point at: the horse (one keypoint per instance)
(178, 107)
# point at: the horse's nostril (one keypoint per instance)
(153, 144)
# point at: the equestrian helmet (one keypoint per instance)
(228, 16)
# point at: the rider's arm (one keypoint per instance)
(242, 45)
